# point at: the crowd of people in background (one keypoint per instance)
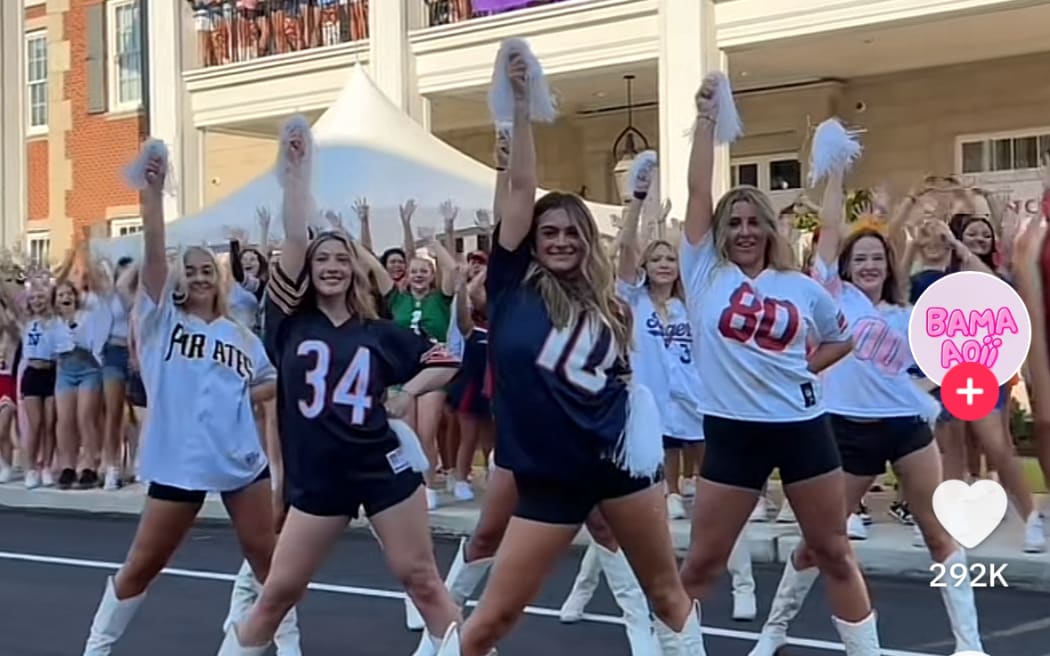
(585, 387)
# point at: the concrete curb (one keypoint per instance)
(889, 552)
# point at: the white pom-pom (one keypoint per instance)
(135, 172)
(833, 151)
(542, 107)
(296, 126)
(728, 126)
(411, 448)
(640, 451)
(643, 163)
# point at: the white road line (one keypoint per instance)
(390, 594)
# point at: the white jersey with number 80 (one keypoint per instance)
(753, 334)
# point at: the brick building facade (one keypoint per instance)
(94, 122)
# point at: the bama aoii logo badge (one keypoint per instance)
(970, 318)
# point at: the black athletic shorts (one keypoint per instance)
(179, 495)
(375, 494)
(745, 453)
(560, 502)
(678, 443)
(38, 383)
(866, 446)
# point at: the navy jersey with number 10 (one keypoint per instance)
(559, 398)
(333, 424)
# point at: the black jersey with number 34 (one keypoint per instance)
(332, 378)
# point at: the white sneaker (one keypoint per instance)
(463, 491)
(433, 500)
(450, 482)
(47, 479)
(855, 528)
(112, 482)
(32, 479)
(675, 508)
(786, 514)
(6, 474)
(1034, 534)
(761, 511)
(688, 487)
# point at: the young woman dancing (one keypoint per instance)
(662, 360)
(558, 331)
(878, 414)
(340, 451)
(195, 362)
(754, 314)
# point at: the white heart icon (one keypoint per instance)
(969, 512)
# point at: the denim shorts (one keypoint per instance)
(77, 370)
(114, 363)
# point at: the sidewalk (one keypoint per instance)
(887, 551)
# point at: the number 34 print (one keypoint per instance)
(772, 324)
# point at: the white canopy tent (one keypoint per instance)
(366, 147)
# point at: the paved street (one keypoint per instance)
(52, 569)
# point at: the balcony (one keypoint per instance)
(447, 12)
(252, 30)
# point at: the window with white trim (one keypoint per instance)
(38, 246)
(123, 227)
(124, 48)
(1011, 151)
(770, 173)
(36, 82)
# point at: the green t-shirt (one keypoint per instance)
(430, 315)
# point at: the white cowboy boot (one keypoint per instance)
(962, 612)
(246, 591)
(739, 567)
(631, 600)
(111, 620)
(860, 638)
(583, 587)
(687, 642)
(413, 620)
(792, 591)
(463, 577)
(242, 597)
(429, 645)
(231, 646)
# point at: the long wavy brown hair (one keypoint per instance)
(593, 291)
(360, 299)
(778, 250)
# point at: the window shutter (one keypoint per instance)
(97, 98)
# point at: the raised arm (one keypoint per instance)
(502, 160)
(446, 265)
(297, 203)
(406, 211)
(262, 215)
(515, 212)
(463, 319)
(832, 219)
(154, 273)
(700, 206)
(361, 210)
(630, 246)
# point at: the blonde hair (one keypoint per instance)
(360, 299)
(594, 292)
(180, 285)
(677, 288)
(33, 286)
(778, 254)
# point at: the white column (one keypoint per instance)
(12, 123)
(688, 51)
(164, 26)
(391, 57)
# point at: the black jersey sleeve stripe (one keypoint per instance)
(285, 292)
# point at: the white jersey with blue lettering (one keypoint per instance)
(753, 335)
(200, 433)
(662, 360)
